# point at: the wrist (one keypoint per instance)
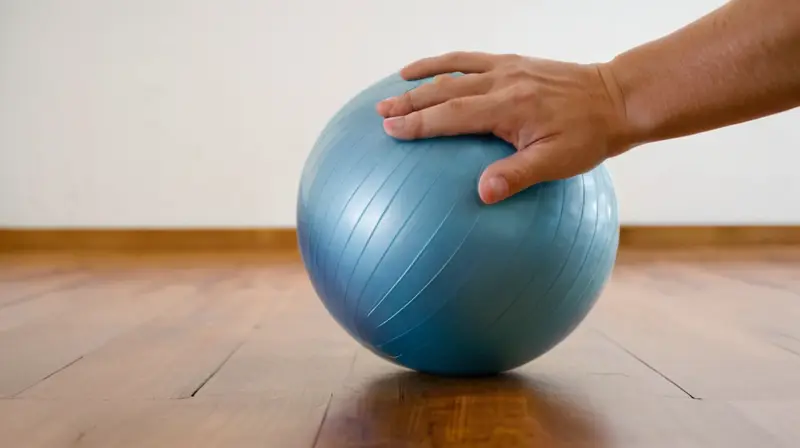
(625, 134)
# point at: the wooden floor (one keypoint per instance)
(685, 349)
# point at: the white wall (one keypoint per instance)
(200, 113)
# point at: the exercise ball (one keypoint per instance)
(415, 267)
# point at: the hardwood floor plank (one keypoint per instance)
(585, 393)
(781, 418)
(751, 296)
(297, 335)
(11, 273)
(60, 301)
(285, 422)
(589, 362)
(31, 353)
(688, 331)
(774, 275)
(31, 266)
(402, 409)
(170, 356)
(17, 291)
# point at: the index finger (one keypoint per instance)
(458, 61)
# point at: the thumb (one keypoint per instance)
(510, 175)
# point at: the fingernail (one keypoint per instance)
(498, 187)
(394, 124)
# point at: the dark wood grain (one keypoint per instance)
(686, 348)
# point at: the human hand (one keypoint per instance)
(563, 118)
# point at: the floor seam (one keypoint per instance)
(322, 422)
(649, 366)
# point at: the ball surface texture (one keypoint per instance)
(409, 261)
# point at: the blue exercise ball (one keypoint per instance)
(415, 267)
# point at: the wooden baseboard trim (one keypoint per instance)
(284, 239)
(124, 240)
(681, 237)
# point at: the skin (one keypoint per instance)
(738, 63)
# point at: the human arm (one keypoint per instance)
(740, 62)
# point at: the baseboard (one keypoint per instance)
(284, 239)
(678, 237)
(273, 239)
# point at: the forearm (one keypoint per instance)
(738, 63)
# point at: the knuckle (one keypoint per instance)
(442, 79)
(520, 93)
(515, 72)
(511, 58)
(457, 105)
(414, 125)
(410, 101)
(519, 176)
(459, 57)
(406, 102)
(469, 54)
(456, 56)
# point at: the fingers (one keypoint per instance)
(464, 115)
(443, 88)
(523, 169)
(459, 61)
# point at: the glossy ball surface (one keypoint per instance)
(409, 261)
